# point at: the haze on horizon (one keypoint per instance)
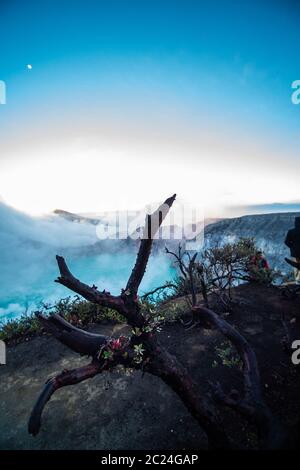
(127, 103)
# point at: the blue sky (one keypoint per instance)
(194, 95)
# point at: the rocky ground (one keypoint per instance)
(115, 411)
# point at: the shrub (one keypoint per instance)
(227, 356)
(73, 309)
(217, 270)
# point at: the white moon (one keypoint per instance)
(29, 66)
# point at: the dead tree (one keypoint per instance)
(142, 350)
(191, 280)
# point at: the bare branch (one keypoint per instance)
(252, 405)
(202, 407)
(191, 276)
(152, 224)
(168, 285)
(76, 339)
(104, 298)
(179, 259)
(65, 378)
(251, 372)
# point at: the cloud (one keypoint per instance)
(28, 246)
(51, 230)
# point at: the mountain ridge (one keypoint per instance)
(269, 231)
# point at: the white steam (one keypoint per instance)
(28, 246)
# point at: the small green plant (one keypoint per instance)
(108, 355)
(73, 309)
(227, 355)
(174, 310)
(24, 326)
(138, 353)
